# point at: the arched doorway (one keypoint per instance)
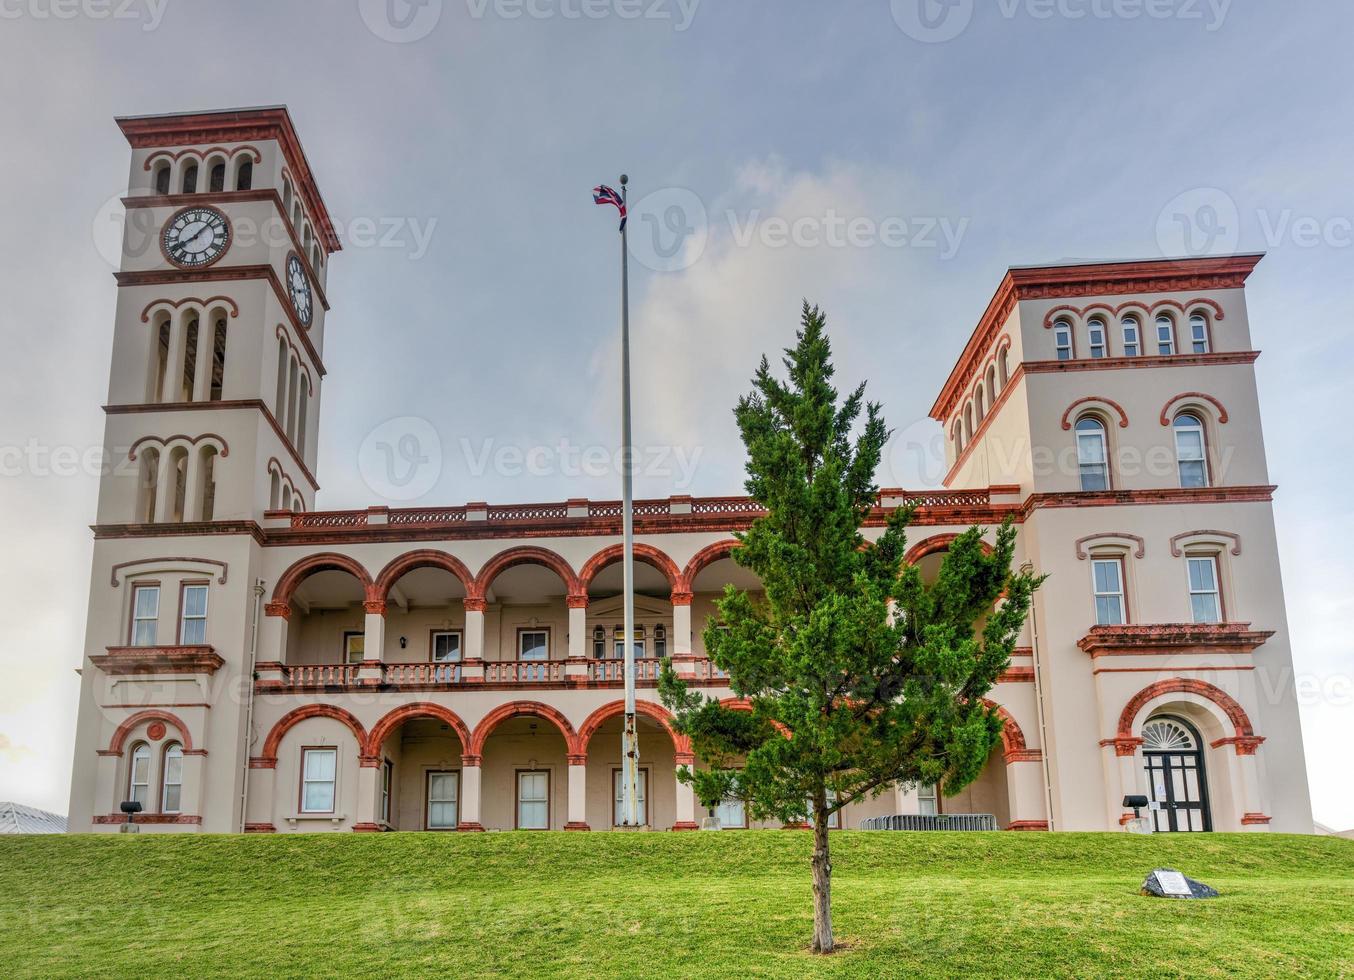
(1177, 783)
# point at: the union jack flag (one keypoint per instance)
(605, 195)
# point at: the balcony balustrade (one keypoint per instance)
(371, 674)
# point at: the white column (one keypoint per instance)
(192, 494)
(474, 630)
(578, 627)
(375, 630)
(273, 634)
(202, 371)
(685, 817)
(365, 820)
(1250, 795)
(578, 793)
(171, 390)
(681, 624)
(165, 487)
(470, 793)
(1025, 792)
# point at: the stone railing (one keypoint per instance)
(659, 510)
(376, 675)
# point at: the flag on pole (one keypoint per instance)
(605, 195)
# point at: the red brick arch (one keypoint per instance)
(515, 709)
(681, 745)
(703, 559)
(313, 564)
(1181, 685)
(425, 558)
(1013, 742)
(408, 712)
(1193, 396)
(646, 553)
(526, 555)
(1094, 400)
(933, 544)
(119, 738)
(292, 718)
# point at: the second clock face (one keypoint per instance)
(298, 286)
(196, 237)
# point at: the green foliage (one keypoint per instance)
(845, 699)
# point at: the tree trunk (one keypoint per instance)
(822, 878)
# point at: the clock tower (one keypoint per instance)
(217, 357)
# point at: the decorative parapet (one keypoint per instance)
(1172, 639)
(159, 660)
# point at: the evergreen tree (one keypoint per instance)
(847, 696)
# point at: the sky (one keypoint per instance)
(887, 160)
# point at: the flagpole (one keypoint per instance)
(630, 738)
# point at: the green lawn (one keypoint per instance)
(729, 904)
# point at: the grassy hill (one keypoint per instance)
(730, 904)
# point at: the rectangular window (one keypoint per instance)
(319, 775)
(171, 792)
(927, 803)
(387, 787)
(533, 645)
(193, 617)
(618, 816)
(443, 800)
(1062, 341)
(1131, 338)
(660, 642)
(446, 650)
(731, 814)
(1096, 331)
(145, 615)
(354, 647)
(1107, 576)
(1205, 602)
(138, 777)
(1165, 336)
(1198, 333)
(533, 801)
(618, 644)
(834, 819)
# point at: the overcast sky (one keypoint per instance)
(456, 143)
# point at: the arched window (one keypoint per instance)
(286, 196)
(1092, 454)
(206, 503)
(190, 179)
(171, 780)
(1062, 340)
(286, 498)
(218, 379)
(301, 419)
(1165, 335)
(979, 403)
(991, 385)
(138, 775)
(217, 181)
(1198, 333)
(274, 491)
(162, 179)
(1003, 366)
(188, 378)
(280, 409)
(159, 360)
(244, 177)
(968, 422)
(292, 398)
(178, 483)
(1132, 336)
(1190, 457)
(1095, 334)
(147, 485)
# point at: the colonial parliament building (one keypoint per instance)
(254, 664)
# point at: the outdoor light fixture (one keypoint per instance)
(131, 808)
(404, 642)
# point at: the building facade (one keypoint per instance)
(253, 664)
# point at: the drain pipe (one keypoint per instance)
(1028, 569)
(249, 702)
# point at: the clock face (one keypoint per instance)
(298, 286)
(196, 237)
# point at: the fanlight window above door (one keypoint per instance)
(1167, 735)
